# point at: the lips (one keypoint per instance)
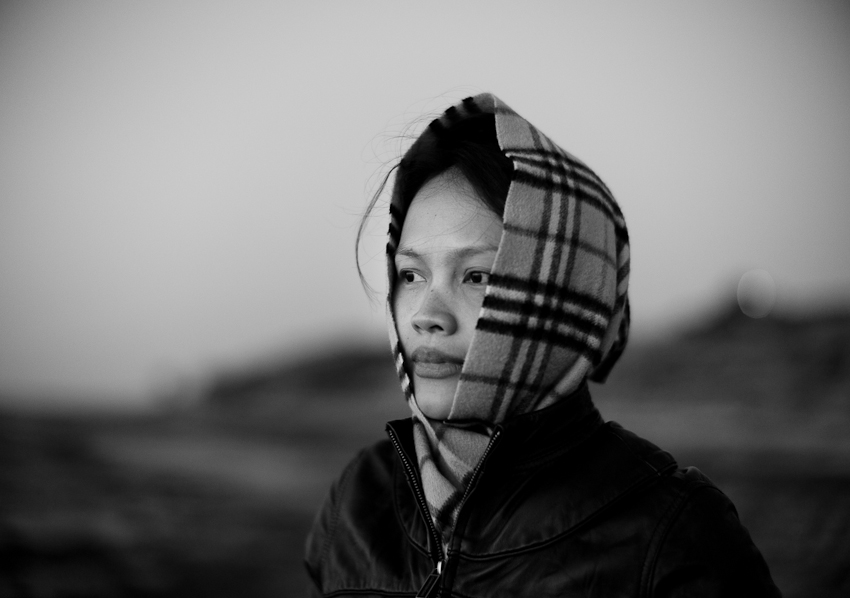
(431, 363)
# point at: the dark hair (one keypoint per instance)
(470, 145)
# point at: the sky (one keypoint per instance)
(181, 182)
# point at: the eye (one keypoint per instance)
(410, 276)
(477, 277)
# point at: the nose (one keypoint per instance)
(435, 315)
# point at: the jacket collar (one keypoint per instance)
(533, 438)
(597, 465)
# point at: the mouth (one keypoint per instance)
(431, 363)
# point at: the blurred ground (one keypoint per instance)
(215, 498)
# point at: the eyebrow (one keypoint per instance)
(459, 253)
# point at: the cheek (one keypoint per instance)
(470, 319)
(472, 307)
(401, 310)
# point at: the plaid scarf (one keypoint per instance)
(555, 311)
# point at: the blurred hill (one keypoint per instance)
(775, 383)
(779, 383)
(796, 363)
(334, 372)
(215, 495)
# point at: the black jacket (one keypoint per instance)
(562, 505)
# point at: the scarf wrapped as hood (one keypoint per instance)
(555, 310)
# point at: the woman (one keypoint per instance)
(508, 269)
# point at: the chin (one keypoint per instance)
(435, 397)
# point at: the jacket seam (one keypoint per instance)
(423, 550)
(661, 533)
(314, 576)
(366, 591)
(642, 460)
(558, 537)
(653, 473)
(337, 506)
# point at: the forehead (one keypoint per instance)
(446, 213)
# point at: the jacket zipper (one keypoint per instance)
(476, 471)
(428, 589)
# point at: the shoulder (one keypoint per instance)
(370, 471)
(612, 482)
(373, 464)
(369, 475)
(700, 547)
(697, 544)
(613, 442)
(358, 522)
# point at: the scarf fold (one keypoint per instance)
(555, 310)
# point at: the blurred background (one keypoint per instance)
(187, 358)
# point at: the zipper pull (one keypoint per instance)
(428, 589)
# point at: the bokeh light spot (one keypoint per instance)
(756, 293)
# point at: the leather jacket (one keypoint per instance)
(561, 505)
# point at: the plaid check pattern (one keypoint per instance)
(555, 311)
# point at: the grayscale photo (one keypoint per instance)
(472, 299)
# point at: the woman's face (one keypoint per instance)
(443, 261)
